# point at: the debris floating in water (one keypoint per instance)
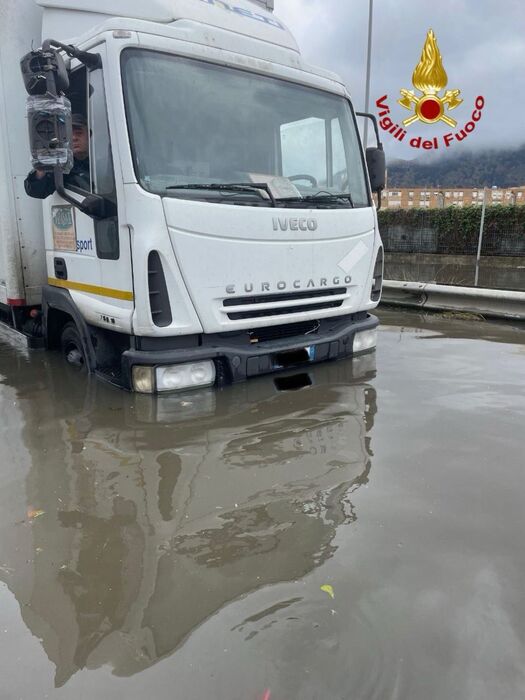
(34, 514)
(328, 589)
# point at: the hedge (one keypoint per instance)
(454, 230)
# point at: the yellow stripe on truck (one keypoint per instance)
(91, 289)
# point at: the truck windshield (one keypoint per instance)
(194, 123)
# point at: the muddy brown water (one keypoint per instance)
(175, 548)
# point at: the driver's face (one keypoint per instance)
(80, 142)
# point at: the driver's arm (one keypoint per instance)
(39, 184)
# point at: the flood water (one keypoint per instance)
(176, 548)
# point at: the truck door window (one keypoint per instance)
(102, 172)
(79, 179)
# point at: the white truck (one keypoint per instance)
(227, 228)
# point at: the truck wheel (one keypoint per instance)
(72, 348)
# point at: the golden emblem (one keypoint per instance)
(429, 77)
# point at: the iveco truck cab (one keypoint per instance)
(226, 228)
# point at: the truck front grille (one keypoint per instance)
(290, 296)
(274, 303)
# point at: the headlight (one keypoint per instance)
(187, 376)
(365, 340)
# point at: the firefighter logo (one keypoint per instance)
(430, 79)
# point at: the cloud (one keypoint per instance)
(482, 43)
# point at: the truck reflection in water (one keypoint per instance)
(159, 512)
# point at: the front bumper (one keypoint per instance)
(237, 360)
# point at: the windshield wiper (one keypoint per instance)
(229, 187)
(320, 197)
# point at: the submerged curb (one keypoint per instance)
(494, 303)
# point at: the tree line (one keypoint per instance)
(499, 167)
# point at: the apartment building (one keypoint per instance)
(435, 198)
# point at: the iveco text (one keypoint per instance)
(294, 224)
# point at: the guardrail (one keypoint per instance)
(492, 303)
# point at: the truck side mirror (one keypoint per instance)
(50, 132)
(375, 161)
(44, 71)
(48, 110)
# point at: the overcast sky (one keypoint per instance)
(482, 43)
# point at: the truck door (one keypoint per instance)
(92, 258)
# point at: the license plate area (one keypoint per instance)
(292, 358)
(295, 382)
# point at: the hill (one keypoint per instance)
(504, 168)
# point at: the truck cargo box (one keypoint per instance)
(22, 250)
